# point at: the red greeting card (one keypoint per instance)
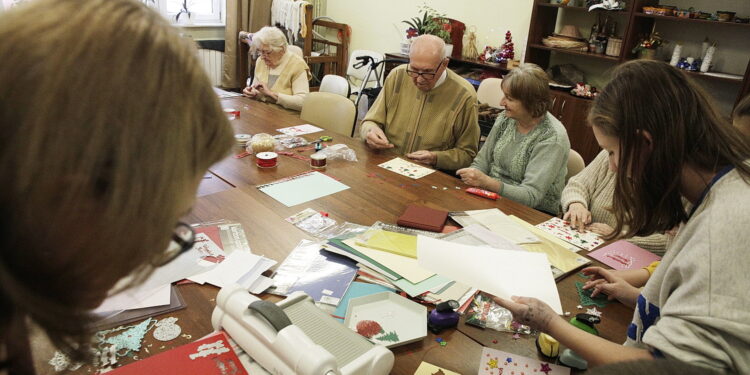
(208, 356)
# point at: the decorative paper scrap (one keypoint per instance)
(300, 130)
(623, 255)
(406, 168)
(61, 362)
(311, 221)
(208, 249)
(430, 369)
(497, 362)
(585, 295)
(167, 330)
(127, 341)
(561, 229)
(372, 330)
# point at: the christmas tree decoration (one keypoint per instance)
(507, 49)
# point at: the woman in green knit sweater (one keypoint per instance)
(526, 153)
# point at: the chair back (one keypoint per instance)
(575, 164)
(359, 74)
(335, 84)
(329, 111)
(296, 50)
(490, 92)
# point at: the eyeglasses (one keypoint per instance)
(183, 239)
(426, 75)
(266, 52)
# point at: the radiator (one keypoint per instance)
(213, 64)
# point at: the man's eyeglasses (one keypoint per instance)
(426, 75)
(183, 239)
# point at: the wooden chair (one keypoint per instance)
(490, 92)
(335, 85)
(329, 111)
(575, 164)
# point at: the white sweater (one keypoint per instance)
(696, 305)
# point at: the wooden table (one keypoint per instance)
(375, 194)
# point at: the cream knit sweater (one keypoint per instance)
(594, 187)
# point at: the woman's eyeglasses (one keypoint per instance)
(183, 239)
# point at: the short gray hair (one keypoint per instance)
(270, 36)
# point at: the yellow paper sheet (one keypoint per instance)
(430, 369)
(559, 256)
(392, 242)
(407, 267)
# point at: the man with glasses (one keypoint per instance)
(426, 111)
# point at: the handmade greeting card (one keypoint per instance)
(561, 229)
(496, 362)
(406, 168)
(623, 255)
(299, 130)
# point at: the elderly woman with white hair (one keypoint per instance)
(526, 153)
(281, 76)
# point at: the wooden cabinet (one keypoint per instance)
(572, 112)
(632, 24)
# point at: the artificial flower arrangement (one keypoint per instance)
(653, 42)
(432, 22)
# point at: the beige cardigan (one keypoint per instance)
(594, 187)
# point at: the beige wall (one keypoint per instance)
(376, 24)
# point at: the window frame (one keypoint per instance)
(198, 19)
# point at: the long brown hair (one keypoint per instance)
(685, 128)
(108, 124)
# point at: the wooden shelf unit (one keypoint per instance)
(571, 110)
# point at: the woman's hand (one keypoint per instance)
(578, 216)
(267, 92)
(529, 311)
(250, 92)
(473, 177)
(611, 284)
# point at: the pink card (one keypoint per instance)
(561, 229)
(623, 255)
(496, 362)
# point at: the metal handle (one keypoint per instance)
(272, 313)
(562, 109)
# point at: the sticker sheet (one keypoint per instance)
(561, 229)
(406, 168)
(496, 362)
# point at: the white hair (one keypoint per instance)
(430, 45)
(270, 36)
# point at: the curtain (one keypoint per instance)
(242, 15)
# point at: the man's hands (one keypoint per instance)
(423, 156)
(376, 139)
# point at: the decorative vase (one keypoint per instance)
(648, 54)
(405, 46)
(448, 50)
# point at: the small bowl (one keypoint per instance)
(703, 15)
(724, 16)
